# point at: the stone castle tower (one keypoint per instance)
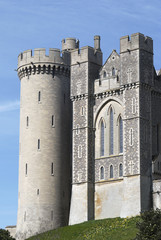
(103, 117)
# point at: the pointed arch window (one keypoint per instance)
(120, 170)
(111, 171)
(120, 135)
(104, 74)
(113, 71)
(111, 131)
(102, 138)
(102, 173)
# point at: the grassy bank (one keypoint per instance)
(110, 229)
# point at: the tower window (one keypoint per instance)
(111, 171)
(104, 74)
(27, 121)
(77, 129)
(120, 135)
(53, 121)
(113, 71)
(120, 170)
(111, 131)
(102, 173)
(38, 144)
(38, 191)
(102, 139)
(26, 169)
(52, 168)
(39, 96)
(82, 111)
(133, 105)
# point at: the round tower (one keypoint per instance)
(45, 142)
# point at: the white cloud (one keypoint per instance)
(10, 106)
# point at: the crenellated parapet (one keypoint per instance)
(40, 63)
(136, 41)
(86, 54)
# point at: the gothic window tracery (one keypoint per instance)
(113, 71)
(120, 135)
(111, 131)
(102, 138)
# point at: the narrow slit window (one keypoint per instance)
(102, 173)
(133, 105)
(113, 71)
(39, 96)
(26, 169)
(77, 129)
(38, 192)
(102, 138)
(111, 171)
(38, 144)
(120, 170)
(27, 121)
(52, 168)
(53, 121)
(82, 111)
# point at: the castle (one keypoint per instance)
(90, 134)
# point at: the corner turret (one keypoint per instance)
(69, 44)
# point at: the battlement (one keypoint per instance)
(69, 44)
(40, 56)
(137, 41)
(86, 54)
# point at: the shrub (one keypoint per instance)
(149, 225)
(5, 235)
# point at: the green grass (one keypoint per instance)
(110, 229)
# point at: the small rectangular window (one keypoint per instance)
(38, 144)
(39, 96)
(38, 191)
(27, 121)
(52, 168)
(26, 169)
(53, 121)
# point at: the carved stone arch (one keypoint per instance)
(118, 119)
(44, 69)
(53, 71)
(26, 71)
(101, 106)
(109, 109)
(49, 69)
(39, 69)
(101, 120)
(30, 69)
(100, 172)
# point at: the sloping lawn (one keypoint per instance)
(110, 229)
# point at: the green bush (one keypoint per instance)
(5, 235)
(149, 225)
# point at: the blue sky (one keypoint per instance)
(29, 24)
